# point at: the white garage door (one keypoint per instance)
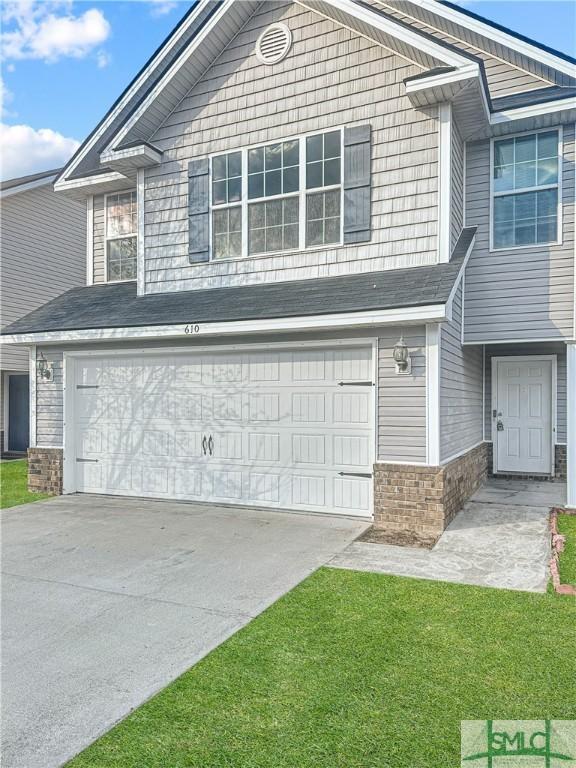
(290, 429)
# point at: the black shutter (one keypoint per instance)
(357, 184)
(198, 211)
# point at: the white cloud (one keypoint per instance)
(24, 150)
(161, 7)
(6, 97)
(103, 58)
(49, 30)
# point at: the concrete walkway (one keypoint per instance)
(500, 539)
(106, 600)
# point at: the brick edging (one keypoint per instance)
(558, 541)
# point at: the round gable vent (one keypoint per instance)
(273, 44)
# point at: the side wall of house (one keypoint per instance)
(461, 410)
(519, 293)
(330, 78)
(43, 255)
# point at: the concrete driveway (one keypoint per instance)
(106, 600)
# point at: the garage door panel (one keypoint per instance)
(271, 428)
(352, 494)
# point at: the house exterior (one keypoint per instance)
(330, 268)
(42, 241)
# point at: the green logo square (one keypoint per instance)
(518, 744)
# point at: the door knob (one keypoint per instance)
(500, 426)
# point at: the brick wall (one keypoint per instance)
(414, 504)
(45, 467)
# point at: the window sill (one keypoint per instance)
(270, 254)
(525, 247)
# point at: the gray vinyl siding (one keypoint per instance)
(402, 398)
(50, 403)
(99, 243)
(461, 410)
(330, 78)
(506, 71)
(457, 201)
(530, 349)
(523, 293)
(43, 255)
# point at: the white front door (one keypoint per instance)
(287, 428)
(522, 415)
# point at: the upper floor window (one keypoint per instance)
(525, 188)
(121, 229)
(282, 196)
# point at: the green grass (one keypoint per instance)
(13, 485)
(357, 670)
(567, 527)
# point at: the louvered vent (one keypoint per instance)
(273, 44)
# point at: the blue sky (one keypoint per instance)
(65, 62)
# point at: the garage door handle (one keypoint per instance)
(355, 474)
(204, 444)
(355, 383)
(211, 445)
(87, 461)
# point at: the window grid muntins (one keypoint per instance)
(526, 190)
(273, 192)
(121, 238)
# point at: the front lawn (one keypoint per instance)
(13, 485)
(567, 527)
(357, 670)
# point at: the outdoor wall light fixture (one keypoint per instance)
(45, 369)
(402, 357)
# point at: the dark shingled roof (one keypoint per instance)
(11, 183)
(538, 96)
(118, 306)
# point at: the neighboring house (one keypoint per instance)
(42, 244)
(286, 195)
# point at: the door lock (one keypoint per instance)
(500, 426)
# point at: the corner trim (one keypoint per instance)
(433, 394)
(571, 425)
(444, 180)
(32, 395)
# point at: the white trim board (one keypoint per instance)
(433, 339)
(435, 312)
(123, 101)
(499, 36)
(571, 425)
(25, 186)
(444, 180)
(553, 396)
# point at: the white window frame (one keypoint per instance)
(301, 194)
(557, 185)
(119, 237)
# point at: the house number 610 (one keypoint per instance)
(192, 328)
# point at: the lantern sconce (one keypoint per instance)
(45, 369)
(402, 357)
